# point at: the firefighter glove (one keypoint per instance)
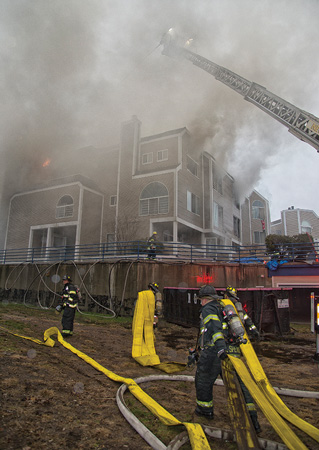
(59, 308)
(193, 357)
(222, 354)
(255, 333)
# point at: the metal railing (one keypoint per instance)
(164, 251)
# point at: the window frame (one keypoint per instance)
(164, 152)
(260, 234)
(218, 215)
(113, 200)
(64, 211)
(192, 166)
(258, 211)
(192, 203)
(147, 158)
(236, 226)
(154, 205)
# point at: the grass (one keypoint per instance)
(163, 432)
(87, 317)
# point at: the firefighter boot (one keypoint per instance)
(204, 412)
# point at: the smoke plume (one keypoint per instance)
(73, 71)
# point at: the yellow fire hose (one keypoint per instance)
(246, 436)
(267, 399)
(196, 434)
(143, 350)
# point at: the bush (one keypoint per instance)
(290, 247)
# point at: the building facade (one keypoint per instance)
(256, 219)
(123, 193)
(295, 221)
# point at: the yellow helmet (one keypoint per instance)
(154, 287)
(232, 292)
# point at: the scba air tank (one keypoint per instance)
(240, 311)
(235, 326)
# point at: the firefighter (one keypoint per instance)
(70, 297)
(151, 246)
(158, 302)
(251, 329)
(217, 339)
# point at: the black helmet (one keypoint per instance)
(66, 277)
(232, 292)
(154, 287)
(207, 291)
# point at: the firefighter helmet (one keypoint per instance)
(154, 287)
(66, 277)
(207, 291)
(232, 292)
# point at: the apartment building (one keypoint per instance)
(155, 183)
(295, 221)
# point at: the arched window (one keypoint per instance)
(258, 210)
(306, 227)
(154, 199)
(64, 207)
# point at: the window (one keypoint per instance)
(64, 207)
(259, 237)
(218, 215)
(39, 242)
(113, 200)
(147, 158)
(306, 227)
(162, 155)
(154, 199)
(236, 221)
(192, 166)
(258, 210)
(192, 203)
(234, 195)
(217, 181)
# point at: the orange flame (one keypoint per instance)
(46, 163)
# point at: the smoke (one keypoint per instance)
(73, 71)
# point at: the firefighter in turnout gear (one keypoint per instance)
(250, 327)
(151, 246)
(221, 333)
(70, 297)
(158, 303)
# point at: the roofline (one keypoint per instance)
(32, 191)
(178, 131)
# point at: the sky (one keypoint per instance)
(73, 71)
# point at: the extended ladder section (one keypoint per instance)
(302, 124)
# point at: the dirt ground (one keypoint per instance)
(51, 399)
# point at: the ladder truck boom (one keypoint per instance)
(303, 125)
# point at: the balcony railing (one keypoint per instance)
(168, 251)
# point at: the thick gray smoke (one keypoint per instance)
(73, 71)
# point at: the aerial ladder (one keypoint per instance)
(303, 125)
